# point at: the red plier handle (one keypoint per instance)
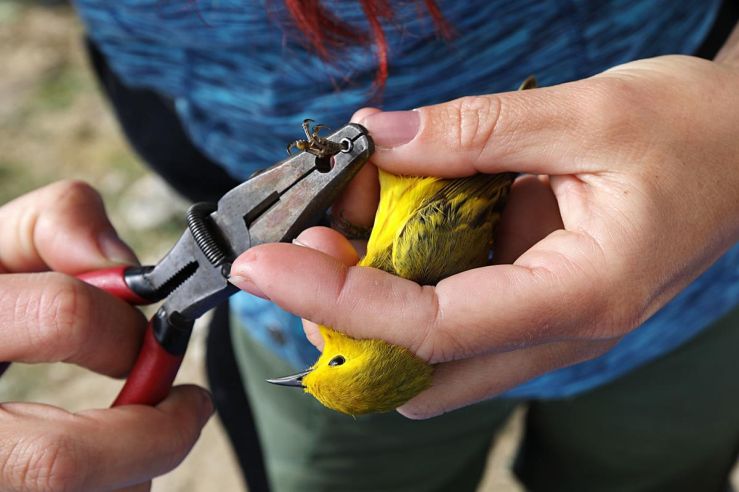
(153, 373)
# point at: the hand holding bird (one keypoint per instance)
(425, 229)
(631, 194)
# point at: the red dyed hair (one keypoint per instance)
(326, 33)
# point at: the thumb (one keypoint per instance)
(550, 130)
(142, 487)
(61, 227)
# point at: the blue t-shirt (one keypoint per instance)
(242, 81)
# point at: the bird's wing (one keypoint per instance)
(400, 197)
(451, 230)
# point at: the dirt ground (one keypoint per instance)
(53, 125)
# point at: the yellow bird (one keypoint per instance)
(426, 229)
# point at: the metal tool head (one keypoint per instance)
(283, 200)
(275, 205)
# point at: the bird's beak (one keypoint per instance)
(296, 380)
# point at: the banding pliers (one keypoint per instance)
(274, 205)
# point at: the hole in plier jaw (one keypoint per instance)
(325, 164)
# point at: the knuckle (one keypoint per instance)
(593, 321)
(443, 346)
(619, 315)
(181, 438)
(427, 345)
(63, 311)
(49, 462)
(74, 192)
(475, 119)
(606, 315)
(589, 304)
(614, 301)
(440, 340)
(615, 110)
(184, 440)
(587, 301)
(575, 312)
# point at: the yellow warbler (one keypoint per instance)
(425, 229)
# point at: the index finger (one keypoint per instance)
(552, 130)
(62, 227)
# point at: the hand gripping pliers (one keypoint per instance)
(274, 205)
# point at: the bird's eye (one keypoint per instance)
(337, 361)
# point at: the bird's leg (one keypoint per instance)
(317, 129)
(529, 83)
(306, 128)
(315, 144)
(291, 145)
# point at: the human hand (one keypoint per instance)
(638, 196)
(49, 316)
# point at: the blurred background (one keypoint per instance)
(54, 124)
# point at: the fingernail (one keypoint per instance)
(116, 250)
(246, 284)
(242, 276)
(298, 242)
(208, 407)
(392, 128)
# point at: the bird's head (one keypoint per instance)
(362, 376)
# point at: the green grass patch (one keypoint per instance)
(59, 87)
(15, 180)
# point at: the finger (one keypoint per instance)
(142, 487)
(333, 244)
(327, 291)
(63, 227)
(329, 242)
(530, 215)
(313, 334)
(463, 382)
(553, 130)
(98, 449)
(50, 317)
(354, 211)
(546, 296)
(362, 113)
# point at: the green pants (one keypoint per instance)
(672, 425)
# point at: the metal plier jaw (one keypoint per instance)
(274, 205)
